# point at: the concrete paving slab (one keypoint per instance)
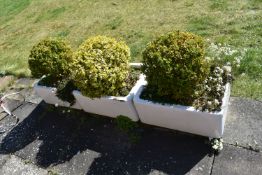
(18, 136)
(17, 166)
(11, 105)
(158, 151)
(24, 110)
(25, 87)
(233, 160)
(3, 159)
(79, 164)
(24, 83)
(202, 167)
(78, 143)
(243, 124)
(6, 121)
(7, 124)
(27, 93)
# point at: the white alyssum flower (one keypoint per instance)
(220, 51)
(216, 102)
(53, 90)
(227, 69)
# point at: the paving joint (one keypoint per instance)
(213, 161)
(26, 161)
(250, 148)
(22, 103)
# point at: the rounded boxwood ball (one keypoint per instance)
(175, 66)
(101, 66)
(50, 57)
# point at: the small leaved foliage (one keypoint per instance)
(101, 66)
(125, 124)
(210, 100)
(54, 58)
(174, 66)
(50, 57)
(129, 127)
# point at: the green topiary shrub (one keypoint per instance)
(174, 66)
(51, 57)
(101, 66)
(54, 58)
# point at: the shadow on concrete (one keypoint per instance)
(63, 135)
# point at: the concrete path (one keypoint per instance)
(49, 140)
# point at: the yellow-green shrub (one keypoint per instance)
(50, 57)
(174, 66)
(101, 66)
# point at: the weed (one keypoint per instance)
(52, 172)
(129, 127)
(27, 161)
(125, 124)
(216, 145)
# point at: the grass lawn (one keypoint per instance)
(237, 23)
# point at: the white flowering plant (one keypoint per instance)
(221, 54)
(216, 144)
(210, 99)
(223, 59)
